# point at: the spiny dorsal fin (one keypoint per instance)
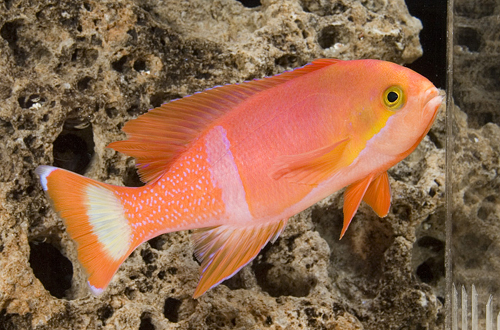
(225, 249)
(159, 136)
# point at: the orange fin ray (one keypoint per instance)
(170, 128)
(378, 195)
(375, 191)
(311, 167)
(352, 198)
(94, 219)
(225, 249)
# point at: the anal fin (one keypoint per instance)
(224, 250)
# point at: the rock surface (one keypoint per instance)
(73, 72)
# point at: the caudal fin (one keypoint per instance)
(95, 219)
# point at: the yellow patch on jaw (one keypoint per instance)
(107, 218)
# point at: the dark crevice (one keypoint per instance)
(51, 268)
(330, 35)
(74, 147)
(132, 179)
(148, 256)
(470, 38)
(140, 66)
(104, 313)
(120, 64)
(250, 3)
(146, 323)
(171, 309)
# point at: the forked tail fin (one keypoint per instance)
(95, 219)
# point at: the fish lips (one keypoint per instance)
(433, 100)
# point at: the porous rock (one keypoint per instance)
(73, 72)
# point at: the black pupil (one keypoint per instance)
(392, 97)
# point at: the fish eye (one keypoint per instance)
(393, 98)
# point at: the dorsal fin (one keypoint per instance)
(158, 137)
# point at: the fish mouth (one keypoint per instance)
(433, 100)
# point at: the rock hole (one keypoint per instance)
(132, 179)
(130, 293)
(6, 127)
(282, 280)
(470, 38)
(161, 97)
(15, 321)
(120, 64)
(53, 269)
(250, 3)
(148, 256)
(434, 139)
(74, 147)
(9, 32)
(425, 272)
(85, 56)
(150, 269)
(133, 34)
(140, 66)
(171, 309)
(473, 9)
(134, 110)
(158, 242)
(146, 323)
(492, 73)
(111, 112)
(431, 243)
(483, 212)
(287, 61)
(104, 313)
(87, 6)
(28, 140)
(330, 35)
(83, 84)
(33, 100)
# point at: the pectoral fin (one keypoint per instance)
(225, 249)
(376, 192)
(378, 195)
(311, 167)
(352, 198)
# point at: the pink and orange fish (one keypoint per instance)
(235, 162)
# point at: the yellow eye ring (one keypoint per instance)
(394, 98)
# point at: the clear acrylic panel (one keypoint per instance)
(473, 165)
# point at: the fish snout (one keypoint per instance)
(432, 99)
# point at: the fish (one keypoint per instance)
(235, 162)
